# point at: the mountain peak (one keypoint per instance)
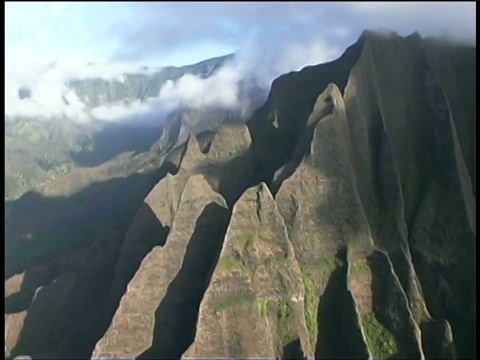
(318, 230)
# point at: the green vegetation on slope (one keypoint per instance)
(231, 303)
(310, 272)
(246, 241)
(262, 306)
(379, 339)
(285, 312)
(328, 264)
(361, 266)
(310, 306)
(230, 262)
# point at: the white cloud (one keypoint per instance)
(114, 112)
(51, 97)
(219, 90)
(456, 20)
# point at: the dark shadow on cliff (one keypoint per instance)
(389, 309)
(443, 306)
(177, 314)
(39, 228)
(205, 140)
(432, 332)
(338, 335)
(293, 351)
(147, 234)
(18, 302)
(331, 340)
(237, 176)
(73, 308)
(71, 261)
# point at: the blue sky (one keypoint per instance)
(182, 32)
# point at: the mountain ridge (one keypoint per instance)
(38, 151)
(335, 239)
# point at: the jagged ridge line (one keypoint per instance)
(401, 211)
(353, 180)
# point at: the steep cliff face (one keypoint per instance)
(411, 164)
(339, 223)
(167, 288)
(278, 124)
(253, 306)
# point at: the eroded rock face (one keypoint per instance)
(253, 306)
(156, 311)
(227, 155)
(405, 149)
(231, 161)
(339, 223)
(320, 205)
(363, 199)
(278, 124)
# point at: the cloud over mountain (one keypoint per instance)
(50, 94)
(268, 38)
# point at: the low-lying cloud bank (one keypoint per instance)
(46, 94)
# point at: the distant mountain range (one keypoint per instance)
(337, 221)
(40, 149)
(139, 86)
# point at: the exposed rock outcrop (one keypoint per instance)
(162, 298)
(253, 306)
(320, 204)
(352, 233)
